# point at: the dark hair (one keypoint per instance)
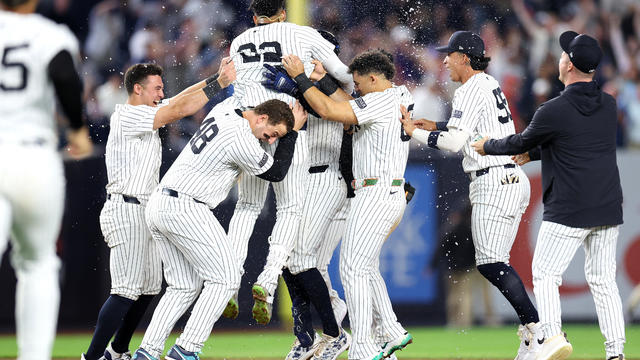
(266, 7)
(137, 74)
(479, 63)
(373, 61)
(278, 111)
(13, 3)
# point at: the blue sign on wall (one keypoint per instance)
(407, 252)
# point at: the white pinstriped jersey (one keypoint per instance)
(480, 107)
(134, 151)
(27, 101)
(267, 44)
(324, 139)
(223, 147)
(380, 145)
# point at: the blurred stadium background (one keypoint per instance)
(428, 254)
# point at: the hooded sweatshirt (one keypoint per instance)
(574, 135)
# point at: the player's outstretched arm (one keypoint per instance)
(224, 77)
(326, 107)
(187, 104)
(452, 140)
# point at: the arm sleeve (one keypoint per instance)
(539, 131)
(281, 158)
(340, 72)
(345, 161)
(68, 87)
(372, 107)
(452, 140)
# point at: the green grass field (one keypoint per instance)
(429, 343)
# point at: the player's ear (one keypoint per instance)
(137, 89)
(255, 20)
(283, 16)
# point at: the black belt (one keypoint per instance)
(127, 199)
(174, 194)
(318, 169)
(485, 171)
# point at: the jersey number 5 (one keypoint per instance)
(250, 54)
(504, 115)
(7, 64)
(208, 130)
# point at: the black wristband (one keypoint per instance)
(327, 85)
(303, 82)
(211, 89)
(211, 79)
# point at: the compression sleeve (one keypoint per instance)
(281, 158)
(68, 87)
(452, 140)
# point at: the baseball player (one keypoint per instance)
(264, 44)
(133, 157)
(499, 189)
(574, 137)
(37, 65)
(379, 200)
(325, 195)
(197, 255)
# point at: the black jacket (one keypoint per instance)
(574, 135)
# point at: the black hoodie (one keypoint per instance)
(574, 135)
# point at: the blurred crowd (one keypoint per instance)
(189, 37)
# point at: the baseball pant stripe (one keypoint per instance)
(201, 253)
(290, 193)
(252, 193)
(496, 213)
(555, 248)
(135, 266)
(325, 195)
(374, 211)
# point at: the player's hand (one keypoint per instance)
(278, 80)
(478, 145)
(293, 65)
(407, 124)
(227, 72)
(299, 115)
(80, 145)
(425, 124)
(318, 71)
(521, 159)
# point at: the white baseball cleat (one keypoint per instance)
(331, 347)
(554, 348)
(525, 339)
(299, 352)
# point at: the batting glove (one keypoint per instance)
(278, 80)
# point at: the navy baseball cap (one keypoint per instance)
(583, 50)
(465, 42)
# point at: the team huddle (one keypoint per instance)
(333, 141)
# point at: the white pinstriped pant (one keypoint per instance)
(374, 211)
(290, 194)
(555, 248)
(195, 252)
(334, 234)
(134, 263)
(326, 192)
(496, 212)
